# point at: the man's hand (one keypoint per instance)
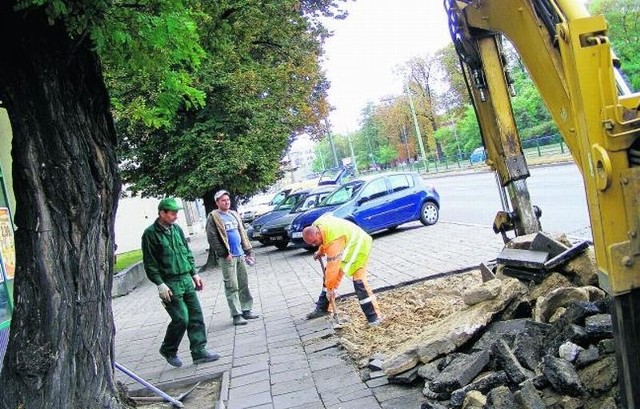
(164, 292)
(331, 295)
(317, 255)
(229, 257)
(198, 282)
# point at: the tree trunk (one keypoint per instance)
(60, 352)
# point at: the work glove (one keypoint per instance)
(317, 255)
(198, 282)
(164, 292)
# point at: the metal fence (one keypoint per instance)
(534, 151)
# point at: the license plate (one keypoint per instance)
(296, 235)
(277, 238)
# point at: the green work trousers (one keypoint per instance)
(236, 285)
(186, 315)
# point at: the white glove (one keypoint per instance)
(164, 292)
(197, 281)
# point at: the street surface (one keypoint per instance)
(558, 190)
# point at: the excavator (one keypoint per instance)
(570, 60)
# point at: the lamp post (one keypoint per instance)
(333, 148)
(415, 122)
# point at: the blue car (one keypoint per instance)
(376, 202)
(478, 155)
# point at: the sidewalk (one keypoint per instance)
(282, 360)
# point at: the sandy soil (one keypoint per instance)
(204, 396)
(406, 311)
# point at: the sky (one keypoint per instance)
(369, 45)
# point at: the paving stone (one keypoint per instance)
(250, 401)
(388, 392)
(297, 398)
(374, 383)
(249, 378)
(281, 388)
(368, 402)
(285, 359)
(250, 389)
(238, 371)
(290, 375)
(410, 400)
(239, 361)
(337, 382)
(288, 366)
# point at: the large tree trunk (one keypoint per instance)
(60, 352)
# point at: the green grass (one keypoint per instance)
(124, 260)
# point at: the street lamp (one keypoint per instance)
(415, 122)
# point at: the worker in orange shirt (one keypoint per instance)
(347, 248)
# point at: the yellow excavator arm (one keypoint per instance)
(567, 53)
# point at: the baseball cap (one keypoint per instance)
(219, 194)
(169, 203)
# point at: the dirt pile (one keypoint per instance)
(543, 339)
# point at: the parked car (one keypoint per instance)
(253, 231)
(336, 176)
(275, 231)
(376, 202)
(335, 199)
(478, 155)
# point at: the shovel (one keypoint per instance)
(337, 324)
(161, 395)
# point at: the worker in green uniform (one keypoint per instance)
(170, 265)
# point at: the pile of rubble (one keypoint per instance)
(537, 333)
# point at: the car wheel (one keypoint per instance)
(281, 245)
(429, 213)
(263, 242)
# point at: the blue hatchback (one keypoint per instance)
(376, 202)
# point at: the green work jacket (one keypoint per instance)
(166, 253)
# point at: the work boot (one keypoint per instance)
(172, 360)
(317, 313)
(205, 356)
(248, 315)
(238, 320)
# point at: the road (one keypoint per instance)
(558, 190)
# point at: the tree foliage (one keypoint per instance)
(623, 17)
(262, 86)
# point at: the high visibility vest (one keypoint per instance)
(358, 243)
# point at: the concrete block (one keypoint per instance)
(460, 372)
(125, 281)
(523, 258)
(543, 242)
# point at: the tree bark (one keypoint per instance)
(60, 352)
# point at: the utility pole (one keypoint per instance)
(353, 155)
(415, 122)
(333, 148)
